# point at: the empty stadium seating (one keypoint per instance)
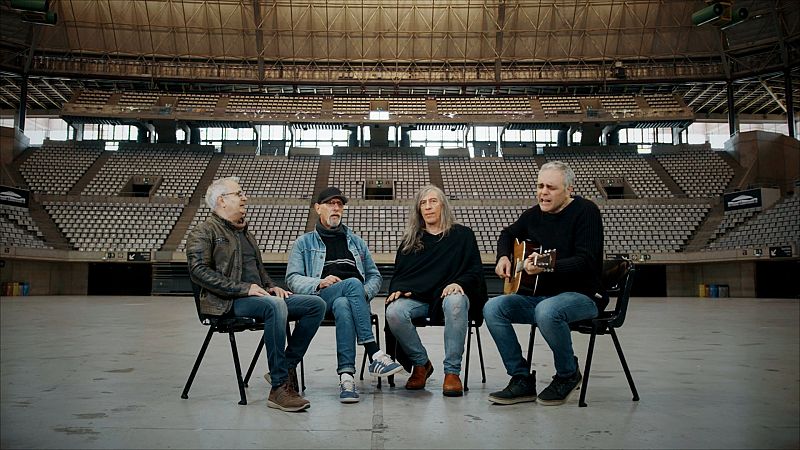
(481, 106)
(56, 166)
(482, 178)
(181, 167)
(350, 171)
(487, 222)
(272, 176)
(18, 229)
(112, 226)
(631, 228)
(611, 163)
(275, 227)
(381, 226)
(259, 104)
(698, 170)
(779, 225)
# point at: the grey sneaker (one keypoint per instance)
(560, 389)
(383, 365)
(287, 399)
(347, 389)
(521, 388)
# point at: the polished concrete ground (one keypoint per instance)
(107, 372)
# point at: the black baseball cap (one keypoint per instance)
(329, 193)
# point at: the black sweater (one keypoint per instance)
(454, 258)
(576, 232)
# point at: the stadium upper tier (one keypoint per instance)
(256, 107)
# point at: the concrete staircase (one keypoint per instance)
(702, 235)
(673, 187)
(435, 173)
(90, 174)
(52, 235)
(197, 199)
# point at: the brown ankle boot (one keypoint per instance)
(452, 386)
(419, 375)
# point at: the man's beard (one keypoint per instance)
(334, 222)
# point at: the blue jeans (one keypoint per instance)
(348, 303)
(308, 310)
(399, 314)
(551, 315)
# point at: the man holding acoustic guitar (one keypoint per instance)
(553, 277)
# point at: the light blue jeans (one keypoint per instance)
(399, 314)
(308, 310)
(552, 315)
(348, 303)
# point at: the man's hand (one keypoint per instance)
(279, 292)
(503, 268)
(395, 295)
(530, 267)
(256, 291)
(328, 281)
(452, 288)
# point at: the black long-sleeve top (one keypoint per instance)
(453, 258)
(576, 233)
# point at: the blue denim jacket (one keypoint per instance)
(307, 259)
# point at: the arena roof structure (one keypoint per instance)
(457, 47)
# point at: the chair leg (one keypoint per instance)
(466, 372)
(253, 362)
(588, 367)
(624, 364)
(480, 354)
(302, 376)
(238, 368)
(390, 379)
(211, 330)
(530, 347)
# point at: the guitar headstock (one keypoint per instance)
(546, 260)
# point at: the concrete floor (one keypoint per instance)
(107, 372)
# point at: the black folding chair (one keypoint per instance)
(617, 278)
(228, 325)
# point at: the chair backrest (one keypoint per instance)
(618, 278)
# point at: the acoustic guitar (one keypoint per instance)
(520, 282)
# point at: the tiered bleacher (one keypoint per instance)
(662, 102)
(481, 178)
(409, 171)
(18, 229)
(275, 227)
(650, 228)
(114, 226)
(779, 225)
(57, 165)
(732, 219)
(481, 106)
(698, 170)
(259, 104)
(272, 176)
(351, 105)
(611, 163)
(487, 222)
(198, 103)
(138, 99)
(381, 226)
(181, 167)
(560, 105)
(90, 98)
(620, 105)
(407, 106)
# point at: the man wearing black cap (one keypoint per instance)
(335, 264)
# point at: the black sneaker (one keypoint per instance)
(521, 388)
(560, 388)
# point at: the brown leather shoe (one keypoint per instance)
(419, 375)
(452, 386)
(287, 399)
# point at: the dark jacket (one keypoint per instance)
(214, 255)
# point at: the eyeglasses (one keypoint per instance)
(239, 194)
(334, 202)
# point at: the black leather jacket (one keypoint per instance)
(214, 255)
